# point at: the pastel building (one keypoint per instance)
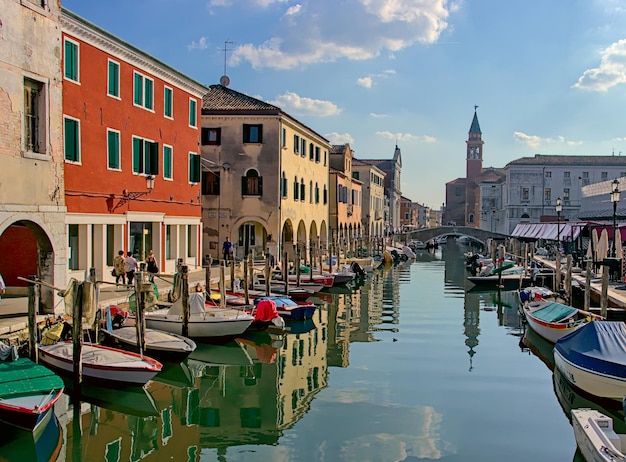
(131, 128)
(265, 180)
(346, 197)
(373, 207)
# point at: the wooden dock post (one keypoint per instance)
(222, 286)
(557, 269)
(33, 303)
(267, 274)
(77, 336)
(568, 279)
(207, 276)
(604, 295)
(184, 295)
(232, 274)
(587, 302)
(245, 282)
(297, 262)
(285, 271)
(141, 288)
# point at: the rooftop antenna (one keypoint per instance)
(224, 80)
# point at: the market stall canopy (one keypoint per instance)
(568, 231)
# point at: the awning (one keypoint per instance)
(549, 231)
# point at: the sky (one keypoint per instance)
(548, 76)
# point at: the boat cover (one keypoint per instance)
(196, 304)
(553, 312)
(265, 310)
(599, 346)
(23, 377)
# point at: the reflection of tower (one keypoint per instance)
(471, 322)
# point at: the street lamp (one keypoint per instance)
(559, 209)
(615, 200)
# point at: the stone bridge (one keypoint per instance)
(426, 234)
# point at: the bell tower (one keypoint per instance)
(473, 169)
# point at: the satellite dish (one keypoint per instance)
(224, 81)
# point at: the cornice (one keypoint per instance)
(90, 33)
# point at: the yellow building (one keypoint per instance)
(265, 179)
(373, 208)
(346, 195)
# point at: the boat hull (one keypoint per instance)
(101, 364)
(595, 435)
(173, 349)
(29, 412)
(199, 326)
(593, 382)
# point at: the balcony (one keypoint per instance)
(350, 210)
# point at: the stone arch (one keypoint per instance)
(27, 249)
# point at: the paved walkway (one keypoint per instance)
(14, 310)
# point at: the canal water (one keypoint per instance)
(407, 366)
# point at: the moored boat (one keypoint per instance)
(289, 309)
(595, 436)
(593, 358)
(28, 392)
(204, 322)
(164, 346)
(553, 320)
(101, 364)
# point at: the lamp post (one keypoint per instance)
(559, 209)
(615, 200)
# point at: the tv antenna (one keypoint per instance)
(224, 80)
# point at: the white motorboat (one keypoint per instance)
(101, 364)
(164, 346)
(595, 436)
(203, 321)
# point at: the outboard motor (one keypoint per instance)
(356, 269)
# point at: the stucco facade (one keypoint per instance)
(32, 204)
(373, 203)
(346, 196)
(128, 118)
(266, 177)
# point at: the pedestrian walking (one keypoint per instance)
(151, 265)
(118, 268)
(130, 266)
(227, 249)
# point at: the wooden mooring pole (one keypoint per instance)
(33, 304)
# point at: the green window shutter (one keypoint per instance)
(194, 168)
(148, 94)
(192, 112)
(138, 90)
(167, 162)
(71, 70)
(260, 189)
(168, 102)
(113, 145)
(244, 185)
(71, 140)
(137, 153)
(114, 79)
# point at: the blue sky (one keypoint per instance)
(549, 76)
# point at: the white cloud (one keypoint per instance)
(611, 72)
(535, 141)
(314, 31)
(295, 104)
(407, 137)
(339, 138)
(201, 44)
(365, 82)
(378, 116)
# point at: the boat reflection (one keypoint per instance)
(21, 445)
(539, 346)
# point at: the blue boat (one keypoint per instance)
(593, 358)
(288, 309)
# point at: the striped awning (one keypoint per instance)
(549, 231)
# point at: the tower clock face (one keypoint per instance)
(473, 152)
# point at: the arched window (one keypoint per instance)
(252, 183)
(471, 218)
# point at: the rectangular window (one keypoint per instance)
(252, 133)
(113, 149)
(71, 138)
(311, 151)
(145, 157)
(548, 174)
(604, 175)
(210, 184)
(548, 194)
(525, 194)
(317, 153)
(168, 102)
(566, 194)
(71, 60)
(113, 82)
(194, 168)
(193, 112)
(283, 138)
(34, 116)
(566, 174)
(167, 162)
(143, 91)
(296, 144)
(211, 136)
(302, 147)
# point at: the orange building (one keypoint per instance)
(131, 148)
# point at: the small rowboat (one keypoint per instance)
(28, 392)
(289, 309)
(163, 346)
(101, 364)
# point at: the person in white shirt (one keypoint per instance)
(130, 266)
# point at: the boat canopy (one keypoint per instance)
(554, 312)
(196, 304)
(567, 231)
(599, 346)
